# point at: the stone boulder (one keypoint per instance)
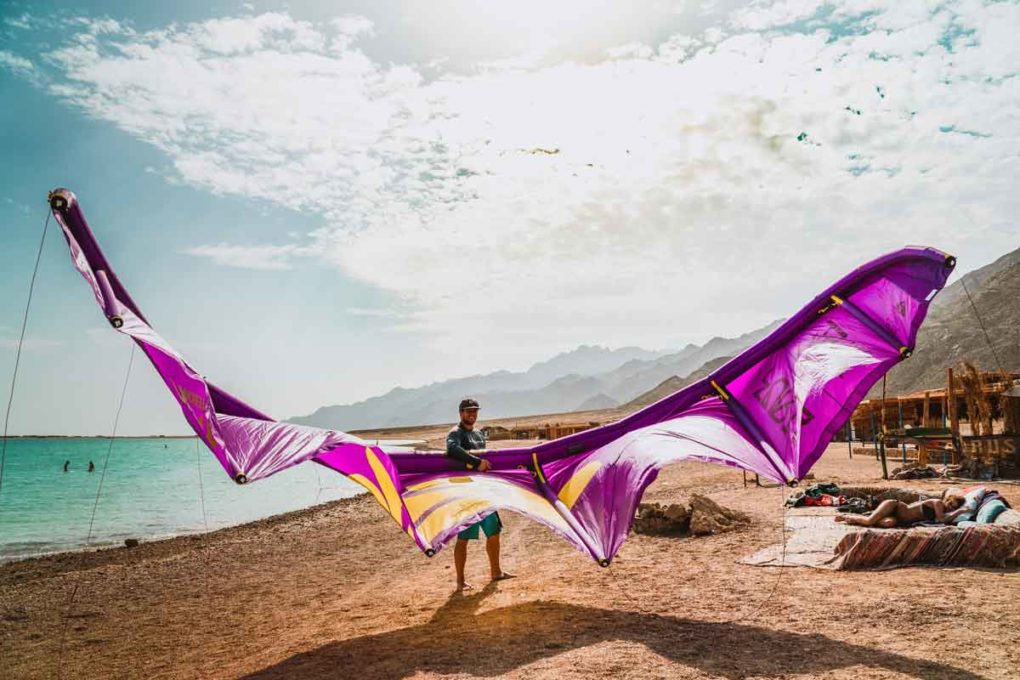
(708, 517)
(656, 519)
(699, 516)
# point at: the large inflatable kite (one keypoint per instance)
(771, 410)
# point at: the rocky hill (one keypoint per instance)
(593, 378)
(672, 384)
(953, 331)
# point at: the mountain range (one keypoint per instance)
(587, 378)
(977, 318)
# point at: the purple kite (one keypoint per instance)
(771, 410)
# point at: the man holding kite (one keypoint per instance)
(460, 441)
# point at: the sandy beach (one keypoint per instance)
(338, 592)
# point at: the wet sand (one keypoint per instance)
(338, 591)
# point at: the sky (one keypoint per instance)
(316, 202)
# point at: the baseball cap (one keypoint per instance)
(468, 403)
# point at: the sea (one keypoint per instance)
(152, 488)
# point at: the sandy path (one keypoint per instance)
(339, 592)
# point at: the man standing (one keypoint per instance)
(459, 442)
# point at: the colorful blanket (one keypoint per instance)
(986, 545)
(814, 540)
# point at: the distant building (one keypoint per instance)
(536, 431)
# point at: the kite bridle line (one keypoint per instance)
(995, 355)
(756, 609)
(963, 282)
(782, 563)
(21, 342)
(201, 488)
(95, 506)
(7, 416)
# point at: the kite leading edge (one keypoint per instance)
(771, 410)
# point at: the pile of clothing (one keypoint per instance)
(830, 495)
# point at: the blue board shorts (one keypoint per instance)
(491, 525)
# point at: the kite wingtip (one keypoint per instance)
(61, 199)
(241, 478)
(429, 552)
(603, 563)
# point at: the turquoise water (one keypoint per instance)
(151, 490)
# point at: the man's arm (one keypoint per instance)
(459, 453)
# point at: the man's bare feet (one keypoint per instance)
(461, 587)
(503, 576)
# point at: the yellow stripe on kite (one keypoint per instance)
(538, 468)
(417, 505)
(578, 482)
(424, 485)
(386, 485)
(451, 514)
(365, 482)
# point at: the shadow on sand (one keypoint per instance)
(459, 640)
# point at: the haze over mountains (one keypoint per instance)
(587, 378)
(593, 378)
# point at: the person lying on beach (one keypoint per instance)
(893, 513)
(459, 442)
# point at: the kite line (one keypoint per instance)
(92, 519)
(995, 355)
(21, 341)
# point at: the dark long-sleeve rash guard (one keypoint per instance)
(459, 441)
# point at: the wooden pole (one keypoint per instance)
(903, 446)
(926, 414)
(881, 441)
(954, 419)
(874, 433)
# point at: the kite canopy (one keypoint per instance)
(771, 410)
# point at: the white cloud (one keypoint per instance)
(19, 66)
(703, 177)
(20, 22)
(762, 15)
(30, 343)
(353, 26)
(264, 257)
(381, 313)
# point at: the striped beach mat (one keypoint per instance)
(987, 545)
(815, 540)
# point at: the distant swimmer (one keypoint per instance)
(67, 464)
(92, 466)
